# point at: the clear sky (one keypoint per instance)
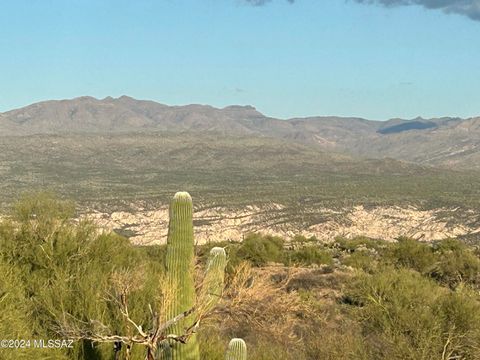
(310, 57)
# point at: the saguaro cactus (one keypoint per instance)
(214, 278)
(180, 268)
(237, 350)
(180, 272)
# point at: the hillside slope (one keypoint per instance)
(446, 142)
(241, 184)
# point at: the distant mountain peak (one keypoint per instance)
(126, 98)
(82, 98)
(240, 107)
(87, 114)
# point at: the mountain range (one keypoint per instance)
(442, 142)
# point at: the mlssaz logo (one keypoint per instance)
(53, 344)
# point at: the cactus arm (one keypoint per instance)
(214, 280)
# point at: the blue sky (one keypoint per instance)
(313, 57)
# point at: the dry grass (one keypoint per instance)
(256, 301)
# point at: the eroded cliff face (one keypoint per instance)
(214, 224)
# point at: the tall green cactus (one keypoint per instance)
(180, 268)
(237, 350)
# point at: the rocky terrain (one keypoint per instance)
(220, 223)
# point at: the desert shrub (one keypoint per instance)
(340, 339)
(351, 245)
(44, 207)
(314, 279)
(301, 240)
(16, 317)
(152, 252)
(363, 260)
(213, 343)
(450, 262)
(411, 254)
(261, 249)
(69, 274)
(407, 316)
(266, 349)
(258, 306)
(455, 263)
(460, 319)
(308, 255)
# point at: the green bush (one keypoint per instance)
(261, 249)
(407, 316)
(412, 254)
(16, 316)
(66, 270)
(360, 260)
(301, 240)
(351, 245)
(450, 262)
(309, 255)
(460, 321)
(455, 264)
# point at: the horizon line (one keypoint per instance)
(109, 97)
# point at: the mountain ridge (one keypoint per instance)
(445, 142)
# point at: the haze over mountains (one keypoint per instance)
(449, 142)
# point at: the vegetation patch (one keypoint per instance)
(302, 300)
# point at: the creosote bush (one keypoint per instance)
(413, 254)
(260, 250)
(309, 255)
(455, 264)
